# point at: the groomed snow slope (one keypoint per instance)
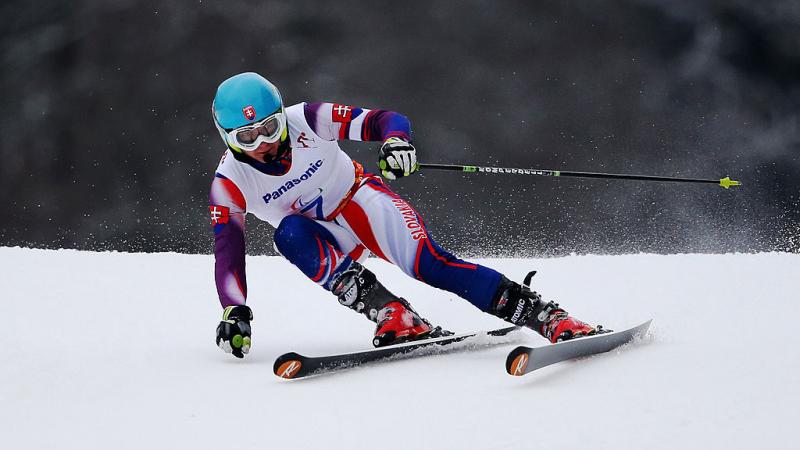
(112, 350)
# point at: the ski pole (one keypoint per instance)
(724, 182)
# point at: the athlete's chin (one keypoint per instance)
(263, 152)
(258, 155)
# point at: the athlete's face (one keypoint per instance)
(264, 152)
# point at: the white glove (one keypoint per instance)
(398, 158)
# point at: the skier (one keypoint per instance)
(284, 165)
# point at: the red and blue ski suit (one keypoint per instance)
(327, 212)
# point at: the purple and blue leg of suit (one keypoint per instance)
(382, 222)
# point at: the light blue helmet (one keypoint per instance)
(242, 100)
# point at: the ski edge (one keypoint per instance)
(293, 365)
(518, 359)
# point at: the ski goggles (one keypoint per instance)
(249, 137)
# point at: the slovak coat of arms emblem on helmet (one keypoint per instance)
(249, 112)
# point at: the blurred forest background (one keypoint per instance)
(107, 141)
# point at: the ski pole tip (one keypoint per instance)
(727, 182)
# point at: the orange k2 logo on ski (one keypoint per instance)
(519, 365)
(289, 369)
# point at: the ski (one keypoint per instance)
(523, 360)
(293, 365)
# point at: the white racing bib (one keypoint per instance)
(320, 177)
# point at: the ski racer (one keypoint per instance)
(284, 165)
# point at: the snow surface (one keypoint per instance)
(114, 350)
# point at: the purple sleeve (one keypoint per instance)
(334, 121)
(227, 210)
(380, 125)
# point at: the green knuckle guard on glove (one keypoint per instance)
(398, 158)
(233, 332)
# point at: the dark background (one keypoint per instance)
(107, 140)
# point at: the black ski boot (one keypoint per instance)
(359, 289)
(521, 306)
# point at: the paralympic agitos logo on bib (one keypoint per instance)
(313, 167)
